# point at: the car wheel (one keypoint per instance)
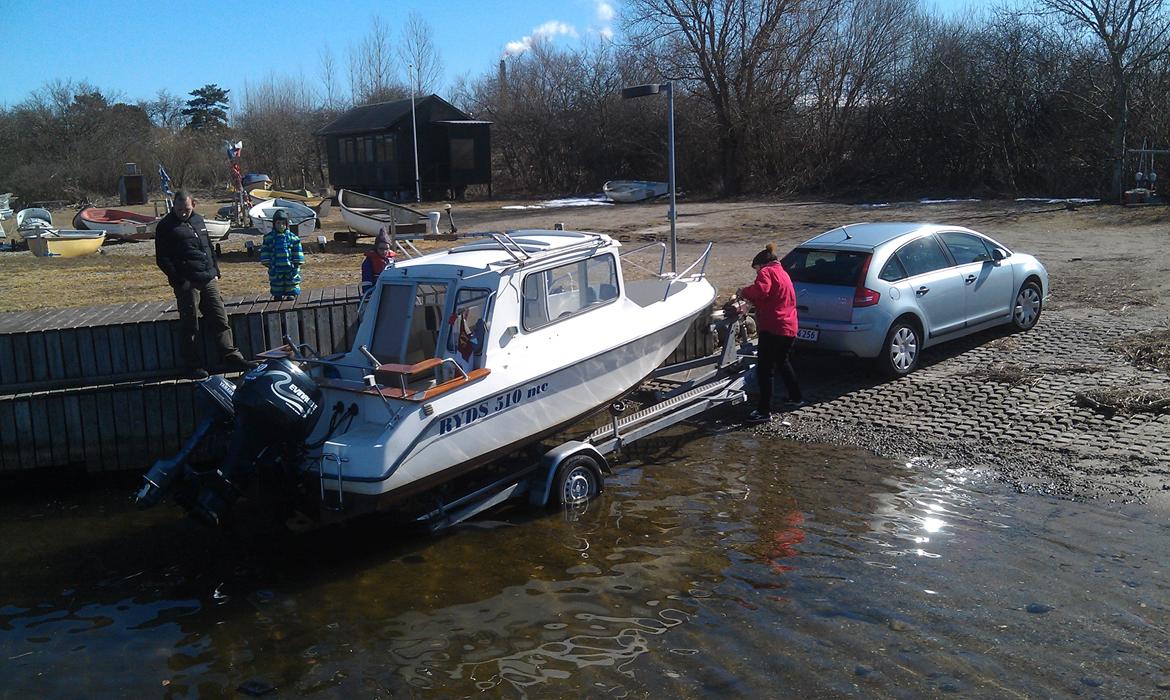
(901, 350)
(1029, 303)
(578, 479)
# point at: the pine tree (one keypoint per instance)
(207, 108)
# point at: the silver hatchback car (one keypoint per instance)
(888, 290)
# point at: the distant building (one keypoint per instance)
(370, 149)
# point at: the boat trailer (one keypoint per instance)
(572, 472)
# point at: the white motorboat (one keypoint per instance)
(634, 190)
(368, 215)
(301, 219)
(33, 221)
(461, 357)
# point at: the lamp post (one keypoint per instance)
(414, 136)
(654, 89)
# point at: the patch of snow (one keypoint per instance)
(878, 205)
(598, 201)
(1055, 200)
(945, 201)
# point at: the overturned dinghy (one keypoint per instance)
(461, 357)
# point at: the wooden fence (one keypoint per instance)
(100, 389)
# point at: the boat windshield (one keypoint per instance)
(410, 317)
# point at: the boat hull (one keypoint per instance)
(66, 244)
(626, 191)
(468, 432)
(368, 215)
(117, 224)
(217, 229)
(303, 220)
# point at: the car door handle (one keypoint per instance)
(921, 290)
(971, 279)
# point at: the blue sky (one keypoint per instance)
(133, 49)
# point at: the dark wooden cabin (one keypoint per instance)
(370, 149)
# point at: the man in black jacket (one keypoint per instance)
(184, 254)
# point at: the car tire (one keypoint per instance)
(901, 349)
(1027, 307)
(577, 480)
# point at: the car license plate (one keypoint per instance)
(807, 334)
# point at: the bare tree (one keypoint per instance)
(328, 72)
(745, 57)
(418, 53)
(1130, 35)
(166, 110)
(372, 77)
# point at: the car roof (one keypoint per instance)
(866, 236)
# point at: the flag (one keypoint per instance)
(234, 149)
(164, 181)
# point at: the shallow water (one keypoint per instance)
(714, 564)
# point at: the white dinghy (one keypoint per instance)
(461, 357)
(301, 219)
(626, 191)
(368, 215)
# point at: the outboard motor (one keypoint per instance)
(273, 410)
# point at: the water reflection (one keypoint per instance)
(713, 564)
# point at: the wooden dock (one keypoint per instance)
(100, 388)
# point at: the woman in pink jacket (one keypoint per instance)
(775, 302)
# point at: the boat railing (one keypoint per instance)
(511, 247)
(661, 259)
(702, 259)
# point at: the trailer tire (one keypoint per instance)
(577, 480)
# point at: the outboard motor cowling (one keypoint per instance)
(276, 407)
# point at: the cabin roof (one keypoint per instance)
(383, 115)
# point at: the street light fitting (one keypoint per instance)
(641, 90)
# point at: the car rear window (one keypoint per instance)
(922, 255)
(814, 266)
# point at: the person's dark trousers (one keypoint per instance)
(773, 352)
(206, 297)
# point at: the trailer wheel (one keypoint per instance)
(578, 479)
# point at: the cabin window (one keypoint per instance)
(463, 154)
(347, 151)
(408, 324)
(386, 148)
(467, 328)
(369, 141)
(567, 290)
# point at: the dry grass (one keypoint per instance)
(1148, 349)
(1016, 374)
(1126, 400)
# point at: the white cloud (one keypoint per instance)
(606, 33)
(605, 12)
(548, 30)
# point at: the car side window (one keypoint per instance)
(923, 255)
(893, 270)
(965, 248)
